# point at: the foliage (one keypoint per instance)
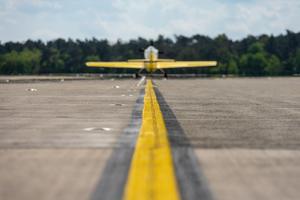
(258, 62)
(251, 56)
(23, 62)
(294, 61)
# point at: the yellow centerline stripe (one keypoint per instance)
(151, 175)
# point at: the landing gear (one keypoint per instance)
(138, 74)
(165, 73)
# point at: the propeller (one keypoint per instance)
(151, 43)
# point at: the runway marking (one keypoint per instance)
(89, 129)
(142, 80)
(151, 174)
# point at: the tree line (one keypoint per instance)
(252, 56)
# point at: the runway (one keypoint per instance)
(245, 133)
(235, 138)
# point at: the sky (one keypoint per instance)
(128, 19)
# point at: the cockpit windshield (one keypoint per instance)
(151, 53)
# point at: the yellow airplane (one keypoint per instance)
(151, 63)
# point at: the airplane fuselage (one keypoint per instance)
(151, 57)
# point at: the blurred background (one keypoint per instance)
(253, 38)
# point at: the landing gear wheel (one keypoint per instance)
(165, 75)
(136, 75)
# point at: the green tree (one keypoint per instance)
(253, 55)
(24, 62)
(254, 61)
(253, 64)
(294, 62)
(297, 61)
(273, 66)
(258, 62)
(232, 67)
(53, 61)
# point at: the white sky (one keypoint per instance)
(128, 19)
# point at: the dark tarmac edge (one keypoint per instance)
(191, 180)
(113, 179)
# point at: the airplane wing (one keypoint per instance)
(183, 64)
(136, 60)
(133, 65)
(165, 60)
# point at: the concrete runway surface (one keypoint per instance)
(235, 138)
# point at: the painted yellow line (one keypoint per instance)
(151, 175)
